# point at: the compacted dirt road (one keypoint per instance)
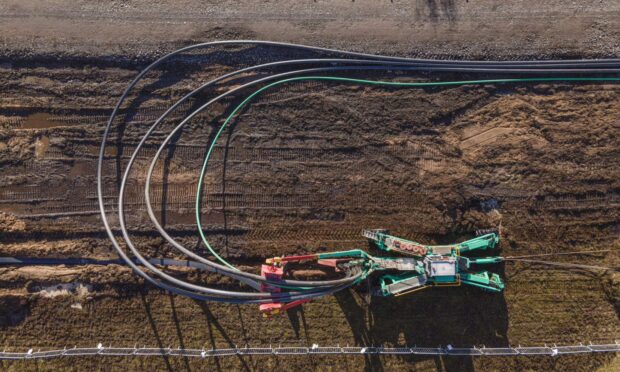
(304, 169)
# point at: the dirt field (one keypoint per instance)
(304, 169)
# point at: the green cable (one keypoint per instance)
(356, 81)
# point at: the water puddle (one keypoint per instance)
(37, 121)
(43, 120)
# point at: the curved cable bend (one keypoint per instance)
(528, 67)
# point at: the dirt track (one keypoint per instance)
(307, 167)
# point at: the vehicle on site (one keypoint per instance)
(428, 265)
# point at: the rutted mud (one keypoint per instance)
(305, 168)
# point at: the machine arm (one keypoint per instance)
(388, 242)
(483, 280)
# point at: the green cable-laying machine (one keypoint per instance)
(430, 265)
(435, 264)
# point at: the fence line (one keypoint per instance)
(101, 350)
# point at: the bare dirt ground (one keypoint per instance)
(304, 169)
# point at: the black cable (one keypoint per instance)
(392, 63)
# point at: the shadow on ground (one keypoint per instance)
(458, 316)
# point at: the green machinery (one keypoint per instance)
(432, 264)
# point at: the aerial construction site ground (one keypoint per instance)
(305, 169)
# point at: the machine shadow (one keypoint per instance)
(455, 316)
(217, 331)
(153, 325)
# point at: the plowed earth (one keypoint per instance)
(304, 169)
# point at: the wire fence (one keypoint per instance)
(101, 350)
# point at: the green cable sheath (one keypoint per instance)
(355, 81)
